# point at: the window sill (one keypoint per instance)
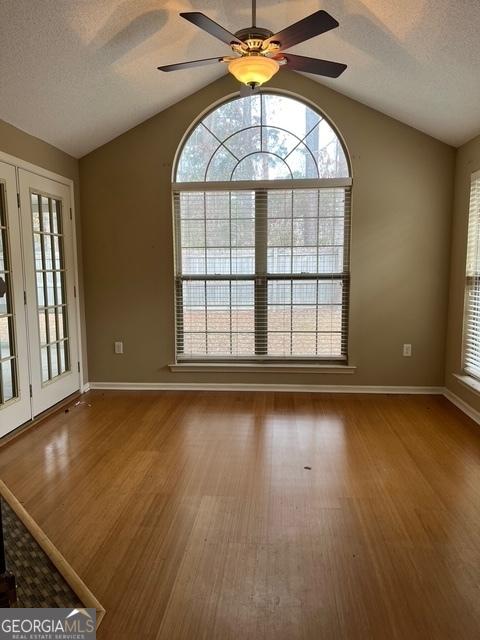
(249, 367)
(468, 381)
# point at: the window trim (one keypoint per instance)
(465, 374)
(235, 366)
(258, 185)
(291, 364)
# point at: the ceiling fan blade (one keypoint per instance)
(210, 26)
(314, 65)
(304, 29)
(188, 65)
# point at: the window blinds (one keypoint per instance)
(472, 292)
(262, 273)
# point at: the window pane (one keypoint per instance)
(37, 248)
(3, 253)
(288, 113)
(195, 344)
(279, 318)
(217, 205)
(8, 375)
(218, 344)
(243, 233)
(196, 153)
(243, 261)
(61, 356)
(35, 212)
(234, 115)
(45, 215)
(42, 326)
(5, 337)
(54, 358)
(280, 233)
(218, 261)
(221, 166)
(304, 318)
(5, 299)
(302, 164)
(193, 233)
(303, 344)
(305, 260)
(192, 205)
(278, 141)
(218, 233)
(262, 166)
(327, 151)
(44, 364)
(243, 204)
(244, 142)
(279, 260)
(193, 261)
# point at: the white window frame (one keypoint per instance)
(300, 364)
(472, 280)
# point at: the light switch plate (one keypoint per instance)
(407, 350)
(118, 347)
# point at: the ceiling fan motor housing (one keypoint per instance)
(254, 38)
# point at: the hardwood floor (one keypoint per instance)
(192, 515)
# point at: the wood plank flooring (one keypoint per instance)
(192, 516)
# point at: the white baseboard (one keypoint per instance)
(299, 388)
(462, 405)
(309, 388)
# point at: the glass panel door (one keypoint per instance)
(15, 407)
(51, 299)
(50, 279)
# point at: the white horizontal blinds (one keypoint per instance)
(472, 300)
(262, 273)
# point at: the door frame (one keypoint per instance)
(18, 163)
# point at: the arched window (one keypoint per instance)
(262, 215)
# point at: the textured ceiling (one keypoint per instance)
(77, 73)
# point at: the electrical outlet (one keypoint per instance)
(407, 350)
(118, 347)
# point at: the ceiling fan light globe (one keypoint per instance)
(253, 70)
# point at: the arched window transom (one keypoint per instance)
(262, 219)
(262, 137)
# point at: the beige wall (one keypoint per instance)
(468, 161)
(402, 197)
(21, 145)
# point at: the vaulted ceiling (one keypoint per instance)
(79, 73)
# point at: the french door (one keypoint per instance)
(38, 320)
(50, 289)
(15, 407)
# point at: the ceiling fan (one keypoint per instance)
(259, 52)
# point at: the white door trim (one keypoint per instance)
(18, 163)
